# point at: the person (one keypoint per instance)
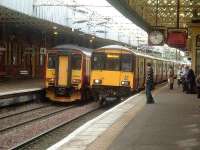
(190, 79)
(149, 84)
(171, 78)
(184, 79)
(179, 75)
(198, 86)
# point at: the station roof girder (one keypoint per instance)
(9, 17)
(149, 13)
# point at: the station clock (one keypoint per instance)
(156, 37)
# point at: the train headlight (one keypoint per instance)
(76, 81)
(51, 80)
(96, 81)
(125, 83)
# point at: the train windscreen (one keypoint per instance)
(76, 61)
(51, 62)
(126, 62)
(112, 62)
(98, 60)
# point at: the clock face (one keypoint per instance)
(156, 38)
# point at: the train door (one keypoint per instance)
(2, 61)
(141, 73)
(160, 70)
(63, 69)
(155, 70)
(163, 71)
(137, 73)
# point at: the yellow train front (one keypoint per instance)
(67, 73)
(118, 72)
(112, 73)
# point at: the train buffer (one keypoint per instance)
(17, 91)
(172, 123)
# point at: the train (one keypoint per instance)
(106, 74)
(67, 71)
(118, 72)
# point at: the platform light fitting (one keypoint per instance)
(54, 27)
(55, 33)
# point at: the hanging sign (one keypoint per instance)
(177, 39)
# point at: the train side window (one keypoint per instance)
(126, 62)
(76, 61)
(51, 62)
(98, 61)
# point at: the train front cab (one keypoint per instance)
(112, 75)
(66, 76)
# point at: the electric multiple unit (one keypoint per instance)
(67, 73)
(117, 72)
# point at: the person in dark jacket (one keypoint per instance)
(184, 79)
(198, 86)
(149, 84)
(190, 79)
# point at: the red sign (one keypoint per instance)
(177, 39)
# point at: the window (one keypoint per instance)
(98, 60)
(51, 62)
(112, 62)
(126, 62)
(76, 61)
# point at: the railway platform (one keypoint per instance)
(172, 123)
(15, 91)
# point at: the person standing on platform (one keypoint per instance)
(149, 84)
(191, 82)
(198, 86)
(184, 79)
(171, 78)
(179, 75)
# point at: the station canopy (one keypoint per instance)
(148, 13)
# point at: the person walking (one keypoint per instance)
(149, 84)
(171, 78)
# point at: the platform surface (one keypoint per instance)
(20, 86)
(173, 123)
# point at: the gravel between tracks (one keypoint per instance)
(12, 110)
(11, 139)
(18, 119)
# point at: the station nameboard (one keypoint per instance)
(177, 39)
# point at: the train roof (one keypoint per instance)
(119, 47)
(86, 51)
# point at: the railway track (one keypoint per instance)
(14, 110)
(8, 123)
(22, 112)
(15, 135)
